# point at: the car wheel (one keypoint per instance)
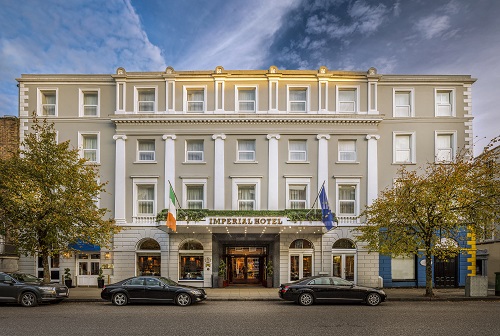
(119, 299)
(306, 299)
(373, 299)
(28, 299)
(183, 299)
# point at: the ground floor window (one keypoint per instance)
(301, 259)
(191, 267)
(403, 268)
(148, 264)
(53, 268)
(344, 259)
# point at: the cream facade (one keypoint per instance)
(245, 140)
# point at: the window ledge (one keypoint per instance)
(194, 162)
(141, 162)
(298, 162)
(238, 162)
(403, 163)
(347, 162)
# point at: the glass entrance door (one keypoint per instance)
(344, 266)
(246, 270)
(300, 266)
(88, 269)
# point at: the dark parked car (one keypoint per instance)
(151, 289)
(29, 290)
(309, 290)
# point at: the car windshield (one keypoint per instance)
(25, 277)
(167, 281)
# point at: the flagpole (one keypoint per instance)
(317, 196)
(179, 203)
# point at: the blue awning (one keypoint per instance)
(81, 246)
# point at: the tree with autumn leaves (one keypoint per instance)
(428, 209)
(48, 197)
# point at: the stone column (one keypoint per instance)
(219, 183)
(372, 174)
(120, 179)
(323, 160)
(273, 162)
(169, 165)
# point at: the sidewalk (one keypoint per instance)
(235, 293)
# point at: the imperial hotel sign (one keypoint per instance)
(241, 149)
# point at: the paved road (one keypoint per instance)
(254, 318)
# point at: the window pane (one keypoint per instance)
(347, 100)
(247, 106)
(403, 268)
(297, 196)
(145, 197)
(246, 150)
(194, 150)
(146, 150)
(246, 94)
(191, 267)
(402, 98)
(402, 142)
(246, 197)
(298, 94)
(194, 197)
(146, 98)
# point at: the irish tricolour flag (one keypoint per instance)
(171, 221)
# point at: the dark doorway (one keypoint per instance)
(246, 264)
(446, 273)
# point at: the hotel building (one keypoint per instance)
(246, 146)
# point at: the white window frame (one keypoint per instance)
(356, 182)
(194, 182)
(452, 101)
(290, 159)
(81, 136)
(307, 104)
(138, 159)
(298, 181)
(340, 152)
(136, 98)
(237, 100)
(411, 91)
(187, 151)
(185, 90)
(245, 181)
(339, 88)
(144, 181)
(413, 149)
(40, 94)
(81, 104)
(453, 135)
(238, 150)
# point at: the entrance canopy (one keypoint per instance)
(82, 246)
(248, 225)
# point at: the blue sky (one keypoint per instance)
(396, 37)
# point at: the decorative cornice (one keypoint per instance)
(164, 119)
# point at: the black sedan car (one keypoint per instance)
(29, 290)
(151, 289)
(309, 290)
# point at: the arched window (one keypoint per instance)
(301, 244)
(148, 257)
(191, 261)
(301, 259)
(343, 244)
(149, 244)
(191, 245)
(344, 259)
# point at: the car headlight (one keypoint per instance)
(48, 289)
(195, 292)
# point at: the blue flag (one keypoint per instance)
(327, 215)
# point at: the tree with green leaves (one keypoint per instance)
(48, 197)
(430, 208)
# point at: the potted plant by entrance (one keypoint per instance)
(100, 279)
(222, 273)
(269, 273)
(67, 278)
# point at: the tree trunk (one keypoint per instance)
(428, 275)
(46, 268)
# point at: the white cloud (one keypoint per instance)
(241, 34)
(433, 25)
